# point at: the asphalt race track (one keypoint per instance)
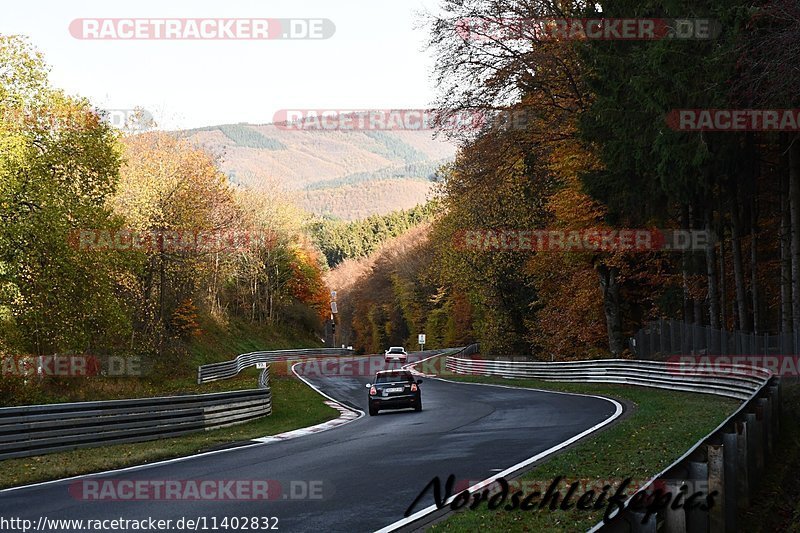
(361, 476)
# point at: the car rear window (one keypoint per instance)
(395, 350)
(391, 378)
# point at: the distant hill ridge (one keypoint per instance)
(341, 174)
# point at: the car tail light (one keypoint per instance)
(372, 391)
(413, 387)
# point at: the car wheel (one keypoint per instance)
(372, 411)
(418, 407)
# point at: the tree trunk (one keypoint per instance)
(711, 271)
(162, 287)
(738, 266)
(162, 284)
(794, 216)
(786, 259)
(698, 312)
(688, 307)
(754, 264)
(723, 289)
(611, 307)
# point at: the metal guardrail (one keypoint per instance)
(729, 460)
(733, 381)
(38, 429)
(229, 369)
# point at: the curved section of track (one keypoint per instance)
(364, 474)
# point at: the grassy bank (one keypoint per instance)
(295, 405)
(634, 447)
(217, 342)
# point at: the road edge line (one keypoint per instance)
(163, 462)
(419, 515)
(340, 421)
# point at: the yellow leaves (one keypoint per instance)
(569, 319)
(168, 184)
(185, 320)
(569, 158)
(574, 209)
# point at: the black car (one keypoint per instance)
(394, 389)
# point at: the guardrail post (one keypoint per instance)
(752, 449)
(696, 519)
(742, 464)
(635, 520)
(759, 439)
(730, 479)
(674, 519)
(774, 394)
(766, 408)
(716, 482)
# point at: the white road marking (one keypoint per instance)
(512, 469)
(354, 415)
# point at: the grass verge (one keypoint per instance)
(662, 427)
(217, 342)
(220, 342)
(295, 405)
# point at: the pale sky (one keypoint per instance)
(375, 60)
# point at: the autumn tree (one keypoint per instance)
(58, 164)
